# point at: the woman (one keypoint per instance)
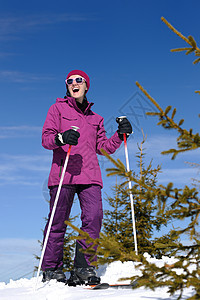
(83, 175)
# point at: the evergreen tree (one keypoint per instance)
(118, 219)
(172, 204)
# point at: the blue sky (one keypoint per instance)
(117, 43)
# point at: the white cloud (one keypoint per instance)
(7, 132)
(6, 54)
(181, 175)
(18, 245)
(23, 169)
(17, 257)
(28, 162)
(12, 25)
(21, 77)
(155, 144)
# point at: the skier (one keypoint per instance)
(83, 175)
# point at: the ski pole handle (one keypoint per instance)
(119, 119)
(75, 128)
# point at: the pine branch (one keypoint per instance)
(184, 202)
(190, 40)
(175, 31)
(186, 140)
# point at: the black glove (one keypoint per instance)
(124, 127)
(68, 137)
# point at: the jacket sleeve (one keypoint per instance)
(109, 145)
(51, 128)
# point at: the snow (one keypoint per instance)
(24, 289)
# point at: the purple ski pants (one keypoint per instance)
(91, 217)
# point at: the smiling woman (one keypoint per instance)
(82, 176)
(77, 86)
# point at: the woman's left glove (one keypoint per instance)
(124, 127)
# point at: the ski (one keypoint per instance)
(121, 286)
(99, 286)
(104, 286)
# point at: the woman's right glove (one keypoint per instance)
(68, 137)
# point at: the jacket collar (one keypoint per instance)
(72, 102)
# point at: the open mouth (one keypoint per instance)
(75, 90)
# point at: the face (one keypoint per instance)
(77, 90)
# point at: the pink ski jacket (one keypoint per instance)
(83, 166)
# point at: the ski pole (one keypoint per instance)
(119, 119)
(54, 208)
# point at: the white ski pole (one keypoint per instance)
(119, 119)
(54, 208)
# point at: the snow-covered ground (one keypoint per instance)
(24, 289)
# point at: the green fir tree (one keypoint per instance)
(173, 204)
(118, 219)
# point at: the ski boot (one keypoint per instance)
(85, 276)
(57, 274)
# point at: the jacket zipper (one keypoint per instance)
(61, 166)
